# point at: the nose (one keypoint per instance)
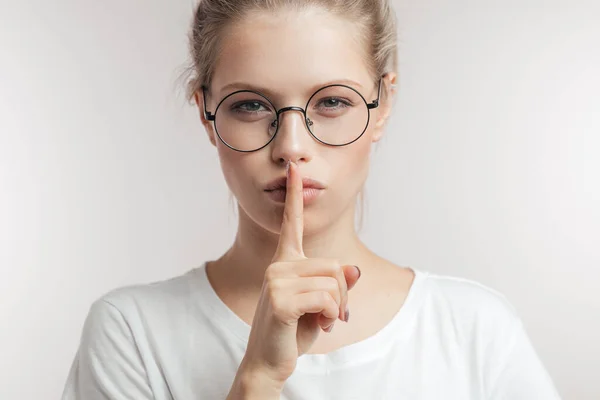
(293, 142)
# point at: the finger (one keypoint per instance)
(344, 293)
(294, 286)
(352, 274)
(329, 268)
(325, 323)
(317, 302)
(292, 226)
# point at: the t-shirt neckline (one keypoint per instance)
(398, 329)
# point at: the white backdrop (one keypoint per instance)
(490, 169)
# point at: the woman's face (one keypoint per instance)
(287, 57)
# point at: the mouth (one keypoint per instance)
(281, 183)
(311, 189)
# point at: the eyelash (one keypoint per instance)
(238, 107)
(343, 102)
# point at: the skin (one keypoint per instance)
(288, 56)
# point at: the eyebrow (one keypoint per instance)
(234, 86)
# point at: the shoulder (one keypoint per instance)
(469, 307)
(127, 321)
(485, 327)
(466, 293)
(133, 304)
(165, 292)
(117, 342)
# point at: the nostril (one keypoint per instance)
(283, 161)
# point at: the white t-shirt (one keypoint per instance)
(453, 339)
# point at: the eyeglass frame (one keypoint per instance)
(212, 116)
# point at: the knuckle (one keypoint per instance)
(337, 299)
(269, 273)
(273, 286)
(331, 305)
(278, 307)
(326, 265)
(334, 266)
(273, 271)
(332, 285)
(326, 298)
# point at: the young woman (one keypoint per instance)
(293, 94)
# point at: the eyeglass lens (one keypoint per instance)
(335, 115)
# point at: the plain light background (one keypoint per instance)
(490, 169)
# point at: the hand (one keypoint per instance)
(300, 296)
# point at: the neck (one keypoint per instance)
(253, 249)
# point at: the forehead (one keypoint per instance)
(291, 51)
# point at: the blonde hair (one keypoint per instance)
(375, 20)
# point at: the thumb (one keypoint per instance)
(352, 273)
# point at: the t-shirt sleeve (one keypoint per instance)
(521, 375)
(108, 365)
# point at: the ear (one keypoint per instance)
(388, 93)
(208, 125)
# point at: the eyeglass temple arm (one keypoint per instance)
(207, 114)
(375, 103)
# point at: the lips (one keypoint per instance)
(281, 183)
(311, 190)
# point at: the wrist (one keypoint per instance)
(252, 383)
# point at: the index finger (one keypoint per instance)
(292, 226)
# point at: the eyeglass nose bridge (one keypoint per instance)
(307, 120)
(291, 108)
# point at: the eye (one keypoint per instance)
(250, 106)
(332, 103)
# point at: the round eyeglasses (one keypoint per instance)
(335, 115)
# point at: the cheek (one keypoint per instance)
(237, 169)
(354, 167)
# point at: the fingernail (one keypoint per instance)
(358, 269)
(287, 169)
(347, 316)
(328, 329)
